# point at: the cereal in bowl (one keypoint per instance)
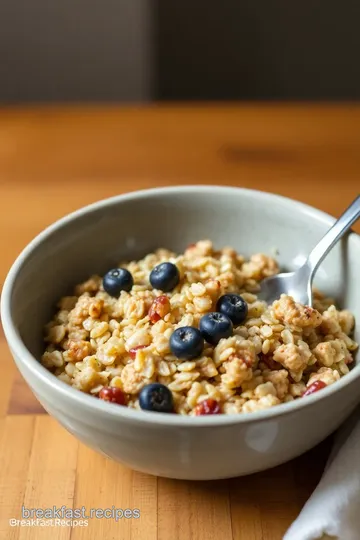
(187, 334)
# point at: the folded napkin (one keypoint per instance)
(333, 510)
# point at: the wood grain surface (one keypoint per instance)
(54, 160)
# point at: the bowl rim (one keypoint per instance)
(74, 396)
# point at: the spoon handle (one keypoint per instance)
(328, 241)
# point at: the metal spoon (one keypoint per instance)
(298, 284)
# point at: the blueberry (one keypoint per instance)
(165, 277)
(234, 306)
(215, 326)
(186, 342)
(117, 280)
(156, 397)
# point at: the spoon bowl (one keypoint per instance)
(295, 284)
(298, 284)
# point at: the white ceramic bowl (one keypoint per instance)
(93, 239)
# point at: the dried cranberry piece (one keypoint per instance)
(159, 308)
(208, 406)
(314, 387)
(113, 395)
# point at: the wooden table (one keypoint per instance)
(53, 161)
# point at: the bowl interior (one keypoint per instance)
(97, 238)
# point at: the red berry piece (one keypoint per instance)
(314, 387)
(132, 351)
(112, 394)
(208, 406)
(159, 308)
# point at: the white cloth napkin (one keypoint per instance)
(333, 510)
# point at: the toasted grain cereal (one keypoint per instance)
(97, 341)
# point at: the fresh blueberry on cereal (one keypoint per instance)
(234, 306)
(186, 342)
(117, 280)
(215, 326)
(165, 276)
(156, 397)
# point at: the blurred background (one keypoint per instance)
(144, 50)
